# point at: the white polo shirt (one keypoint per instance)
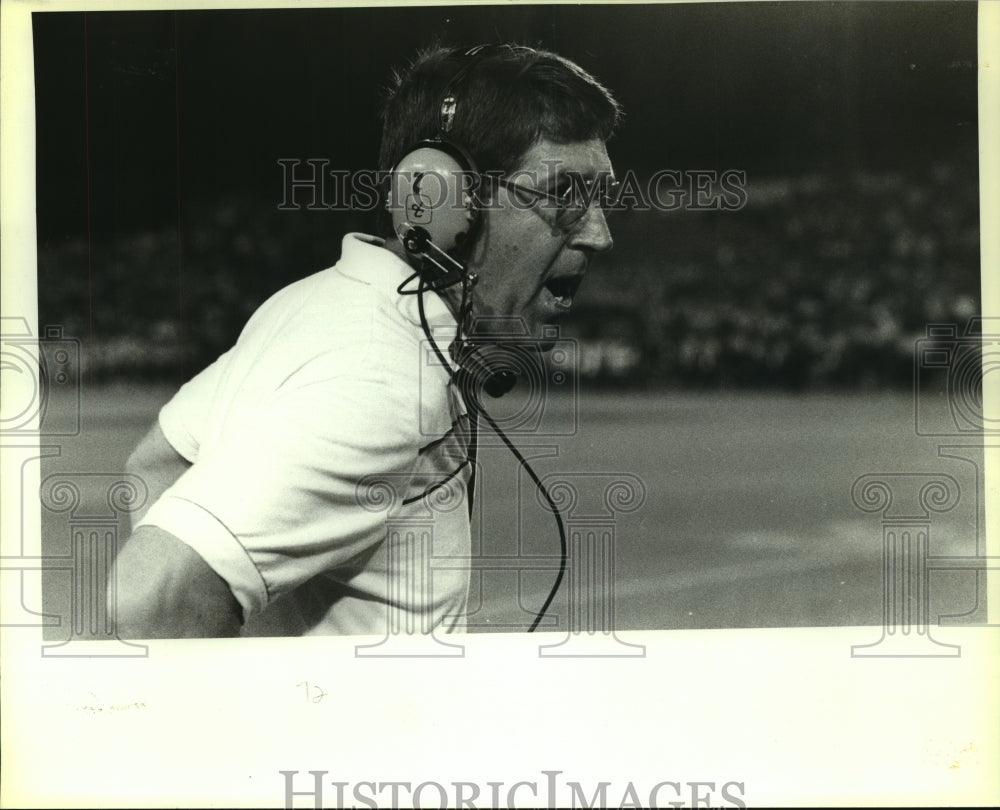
(329, 459)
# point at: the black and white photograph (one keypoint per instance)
(509, 405)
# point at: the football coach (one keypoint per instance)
(257, 468)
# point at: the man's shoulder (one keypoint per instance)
(346, 300)
(347, 323)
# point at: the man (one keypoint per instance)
(276, 470)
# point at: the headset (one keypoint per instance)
(435, 213)
(436, 216)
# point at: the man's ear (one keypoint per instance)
(488, 190)
(478, 253)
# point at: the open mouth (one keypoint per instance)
(564, 288)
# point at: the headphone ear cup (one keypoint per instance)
(431, 189)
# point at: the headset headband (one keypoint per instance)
(449, 104)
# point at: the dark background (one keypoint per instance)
(158, 136)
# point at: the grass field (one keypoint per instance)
(747, 519)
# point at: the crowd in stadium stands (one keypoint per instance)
(818, 282)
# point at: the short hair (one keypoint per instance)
(510, 98)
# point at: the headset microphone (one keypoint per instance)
(481, 368)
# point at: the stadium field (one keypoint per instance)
(742, 516)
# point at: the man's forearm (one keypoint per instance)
(161, 588)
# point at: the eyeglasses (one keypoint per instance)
(571, 206)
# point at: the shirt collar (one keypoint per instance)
(366, 259)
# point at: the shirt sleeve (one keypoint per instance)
(277, 498)
(182, 419)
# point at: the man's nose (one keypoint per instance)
(593, 232)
